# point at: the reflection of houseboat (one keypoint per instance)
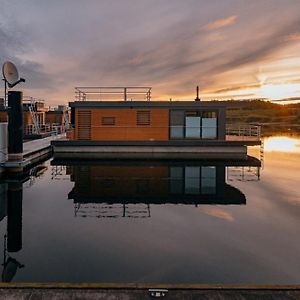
(103, 187)
(148, 129)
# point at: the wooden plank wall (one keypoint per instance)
(125, 127)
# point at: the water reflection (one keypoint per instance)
(172, 242)
(11, 199)
(128, 189)
(13, 237)
(282, 144)
(116, 189)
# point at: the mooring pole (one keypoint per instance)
(15, 126)
(14, 216)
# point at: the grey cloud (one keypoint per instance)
(255, 50)
(176, 58)
(11, 47)
(220, 23)
(158, 43)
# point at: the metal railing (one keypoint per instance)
(29, 100)
(243, 173)
(54, 129)
(243, 131)
(104, 93)
(104, 210)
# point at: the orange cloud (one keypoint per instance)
(218, 213)
(220, 23)
(293, 37)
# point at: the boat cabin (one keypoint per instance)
(147, 121)
(113, 122)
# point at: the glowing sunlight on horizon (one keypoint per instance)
(282, 144)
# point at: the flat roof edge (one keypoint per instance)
(160, 104)
(169, 143)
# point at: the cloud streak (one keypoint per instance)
(220, 23)
(170, 45)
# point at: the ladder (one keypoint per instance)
(66, 119)
(34, 117)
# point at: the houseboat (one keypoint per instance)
(125, 123)
(39, 120)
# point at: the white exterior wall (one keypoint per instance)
(3, 142)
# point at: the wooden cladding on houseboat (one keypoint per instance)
(91, 180)
(122, 124)
(108, 121)
(83, 125)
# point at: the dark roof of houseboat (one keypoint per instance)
(147, 104)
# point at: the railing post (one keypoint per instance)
(125, 94)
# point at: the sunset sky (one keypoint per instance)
(231, 48)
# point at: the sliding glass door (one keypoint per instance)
(200, 125)
(209, 125)
(193, 127)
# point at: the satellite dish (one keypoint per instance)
(10, 74)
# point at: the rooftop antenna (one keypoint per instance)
(10, 76)
(197, 94)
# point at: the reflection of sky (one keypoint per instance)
(253, 243)
(282, 144)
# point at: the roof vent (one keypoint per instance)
(197, 94)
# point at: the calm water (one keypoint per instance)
(150, 221)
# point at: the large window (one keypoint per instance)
(193, 125)
(177, 124)
(193, 180)
(209, 125)
(208, 180)
(201, 125)
(176, 180)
